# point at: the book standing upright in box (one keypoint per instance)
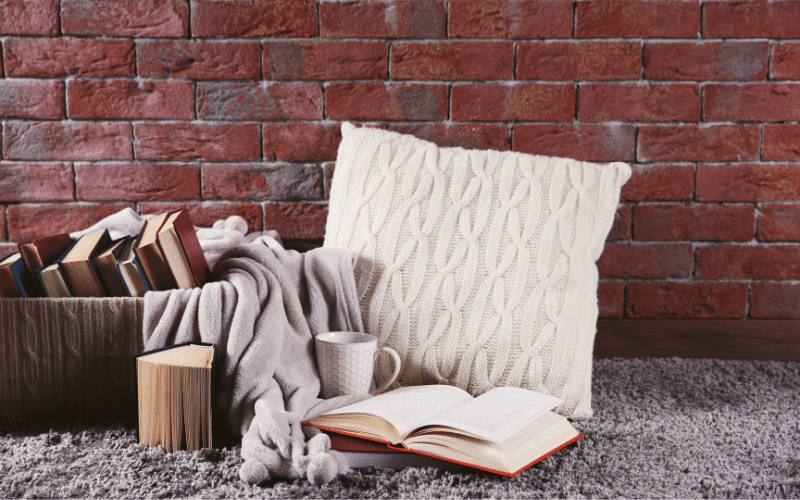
(149, 253)
(181, 249)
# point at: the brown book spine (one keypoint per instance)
(155, 267)
(8, 285)
(191, 247)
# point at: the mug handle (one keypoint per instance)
(396, 358)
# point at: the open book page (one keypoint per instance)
(497, 413)
(408, 407)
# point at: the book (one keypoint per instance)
(106, 263)
(150, 257)
(42, 252)
(52, 279)
(78, 264)
(505, 430)
(181, 249)
(174, 389)
(130, 269)
(14, 278)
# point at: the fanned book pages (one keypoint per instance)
(505, 430)
(174, 387)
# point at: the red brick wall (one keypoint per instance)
(233, 107)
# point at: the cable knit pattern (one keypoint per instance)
(478, 267)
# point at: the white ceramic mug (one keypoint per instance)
(346, 362)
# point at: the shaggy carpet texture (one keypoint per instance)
(663, 428)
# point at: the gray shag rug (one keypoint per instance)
(663, 428)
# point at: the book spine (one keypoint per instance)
(8, 284)
(155, 267)
(191, 247)
(138, 264)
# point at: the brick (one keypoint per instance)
(751, 19)
(301, 141)
(30, 221)
(610, 298)
(29, 17)
(328, 169)
(130, 99)
(205, 214)
(775, 301)
(60, 57)
(199, 60)
(460, 135)
(762, 262)
(621, 229)
(579, 60)
(748, 182)
(780, 142)
(20, 182)
(779, 222)
(324, 60)
(706, 61)
(32, 99)
(7, 248)
(136, 181)
(695, 222)
(452, 61)
(654, 261)
(197, 141)
(637, 19)
(543, 19)
(659, 183)
(254, 18)
(698, 143)
(259, 101)
(649, 102)
(258, 181)
(380, 101)
(125, 18)
(301, 220)
(588, 142)
(521, 101)
(652, 299)
(784, 62)
(383, 19)
(67, 141)
(769, 102)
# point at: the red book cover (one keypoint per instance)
(191, 247)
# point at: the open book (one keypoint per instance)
(505, 430)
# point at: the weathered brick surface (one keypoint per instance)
(706, 61)
(205, 214)
(588, 142)
(751, 19)
(125, 18)
(696, 222)
(452, 60)
(654, 182)
(29, 17)
(651, 261)
(60, 57)
(136, 181)
(328, 168)
(461, 135)
(583, 60)
(779, 222)
(768, 102)
(199, 60)
(197, 141)
(253, 18)
(30, 221)
(747, 262)
(20, 182)
(510, 19)
(621, 229)
(66, 141)
(648, 299)
(637, 19)
(522, 101)
(296, 221)
(780, 142)
(383, 19)
(248, 101)
(301, 141)
(43, 99)
(748, 182)
(325, 60)
(775, 301)
(785, 61)
(130, 99)
(653, 102)
(258, 181)
(713, 142)
(610, 299)
(376, 101)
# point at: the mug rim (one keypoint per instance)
(361, 338)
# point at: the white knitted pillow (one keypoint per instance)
(477, 267)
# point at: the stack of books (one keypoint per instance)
(164, 255)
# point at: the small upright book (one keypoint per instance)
(53, 281)
(78, 264)
(181, 250)
(174, 393)
(505, 430)
(14, 278)
(130, 269)
(106, 262)
(42, 252)
(150, 256)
